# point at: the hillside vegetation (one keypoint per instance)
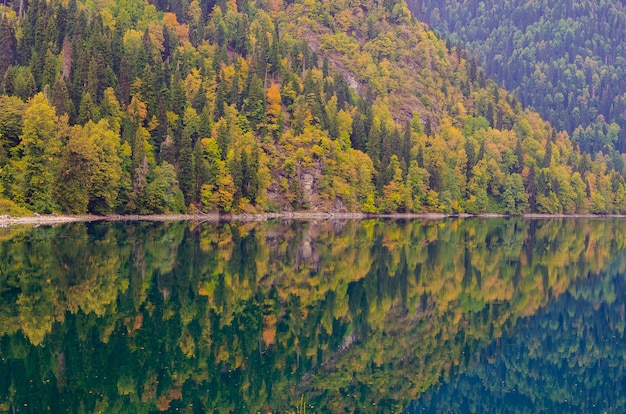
(564, 58)
(132, 106)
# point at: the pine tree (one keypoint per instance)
(519, 153)
(221, 96)
(202, 171)
(178, 98)
(61, 98)
(122, 92)
(199, 100)
(96, 80)
(470, 151)
(406, 146)
(88, 109)
(358, 136)
(148, 91)
(373, 146)
(531, 188)
(8, 83)
(223, 139)
(254, 105)
(428, 127)
(161, 131)
(8, 45)
(49, 69)
(186, 178)
(547, 159)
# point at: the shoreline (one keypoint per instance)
(6, 220)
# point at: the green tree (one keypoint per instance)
(40, 144)
(77, 163)
(11, 123)
(106, 178)
(186, 168)
(254, 106)
(88, 110)
(61, 98)
(162, 193)
(514, 198)
(396, 195)
(8, 45)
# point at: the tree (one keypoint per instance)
(547, 159)
(162, 193)
(106, 178)
(358, 138)
(221, 195)
(110, 110)
(76, 165)
(396, 195)
(40, 145)
(61, 98)
(11, 124)
(123, 86)
(417, 182)
(88, 109)
(254, 105)
(185, 167)
(90, 170)
(274, 111)
(514, 198)
(50, 70)
(8, 45)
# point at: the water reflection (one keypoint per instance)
(568, 357)
(356, 316)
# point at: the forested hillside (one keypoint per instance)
(132, 106)
(565, 58)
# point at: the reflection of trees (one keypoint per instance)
(568, 357)
(363, 315)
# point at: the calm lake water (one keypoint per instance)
(473, 315)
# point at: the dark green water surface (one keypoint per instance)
(473, 315)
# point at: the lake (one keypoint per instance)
(455, 315)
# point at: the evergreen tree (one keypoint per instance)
(61, 98)
(406, 146)
(519, 154)
(547, 159)
(148, 91)
(123, 87)
(49, 69)
(186, 178)
(178, 98)
(8, 45)
(358, 136)
(373, 146)
(88, 110)
(96, 79)
(254, 105)
(202, 170)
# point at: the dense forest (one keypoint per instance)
(359, 316)
(132, 106)
(564, 58)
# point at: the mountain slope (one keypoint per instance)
(248, 107)
(563, 58)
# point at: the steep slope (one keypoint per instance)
(240, 106)
(563, 58)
